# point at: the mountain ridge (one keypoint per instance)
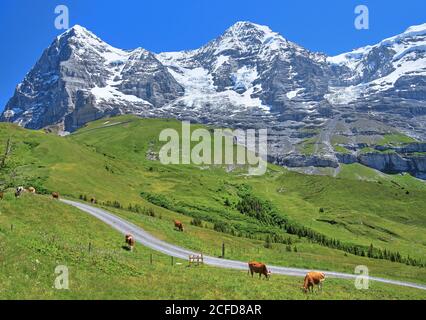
(318, 109)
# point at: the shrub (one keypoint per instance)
(221, 227)
(256, 208)
(197, 222)
(157, 199)
(268, 242)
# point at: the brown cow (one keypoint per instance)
(178, 225)
(32, 190)
(1, 195)
(130, 241)
(55, 195)
(312, 279)
(260, 268)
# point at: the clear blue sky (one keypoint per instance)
(27, 26)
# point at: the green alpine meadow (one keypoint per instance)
(331, 223)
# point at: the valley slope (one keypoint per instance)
(112, 160)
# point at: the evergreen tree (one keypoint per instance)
(268, 242)
(370, 251)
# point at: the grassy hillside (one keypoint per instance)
(108, 160)
(46, 234)
(379, 212)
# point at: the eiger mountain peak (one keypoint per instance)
(249, 77)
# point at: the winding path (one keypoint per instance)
(149, 241)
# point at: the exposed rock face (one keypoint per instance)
(391, 163)
(395, 163)
(298, 161)
(387, 81)
(79, 78)
(250, 77)
(347, 158)
(145, 77)
(389, 159)
(411, 148)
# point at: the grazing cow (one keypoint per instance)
(178, 225)
(312, 279)
(19, 191)
(32, 190)
(260, 268)
(1, 195)
(55, 195)
(130, 241)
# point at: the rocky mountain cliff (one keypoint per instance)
(80, 78)
(363, 106)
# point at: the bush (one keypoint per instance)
(221, 227)
(268, 242)
(36, 183)
(256, 208)
(114, 204)
(150, 212)
(197, 222)
(157, 199)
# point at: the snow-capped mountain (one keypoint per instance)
(249, 77)
(80, 78)
(387, 80)
(248, 67)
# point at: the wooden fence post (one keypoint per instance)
(223, 250)
(90, 247)
(150, 258)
